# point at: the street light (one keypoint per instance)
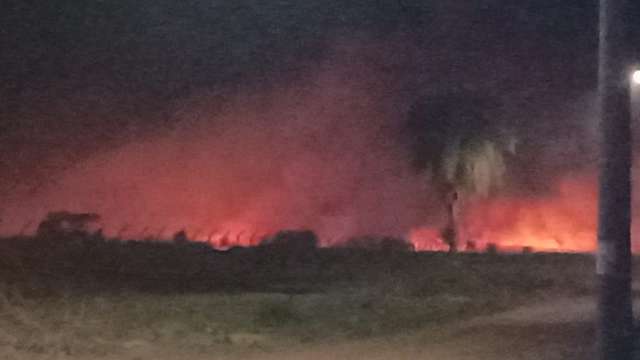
(634, 93)
(635, 77)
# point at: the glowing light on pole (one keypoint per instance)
(635, 77)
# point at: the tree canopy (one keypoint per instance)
(459, 139)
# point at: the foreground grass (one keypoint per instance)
(100, 326)
(345, 296)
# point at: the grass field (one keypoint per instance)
(90, 300)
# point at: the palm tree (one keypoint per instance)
(472, 168)
(463, 147)
(615, 317)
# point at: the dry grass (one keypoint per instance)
(403, 300)
(108, 300)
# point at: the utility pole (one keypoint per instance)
(613, 266)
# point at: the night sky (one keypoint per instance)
(81, 79)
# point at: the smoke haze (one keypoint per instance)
(250, 118)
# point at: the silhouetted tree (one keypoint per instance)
(458, 140)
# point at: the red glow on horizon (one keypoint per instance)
(316, 155)
(561, 221)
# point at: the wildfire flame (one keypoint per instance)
(563, 220)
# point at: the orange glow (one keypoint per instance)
(563, 220)
(318, 155)
(234, 209)
(305, 155)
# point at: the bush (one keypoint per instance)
(383, 244)
(293, 241)
(289, 248)
(60, 223)
(491, 248)
(180, 237)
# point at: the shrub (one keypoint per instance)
(59, 223)
(491, 248)
(384, 244)
(290, 247)
(180, 237)
(292, 241)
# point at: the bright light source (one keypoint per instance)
(635, 77)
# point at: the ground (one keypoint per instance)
(180, 302)
(554, 329)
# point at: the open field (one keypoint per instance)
(144, 300)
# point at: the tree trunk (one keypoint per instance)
(615, 319)
(450, 231)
